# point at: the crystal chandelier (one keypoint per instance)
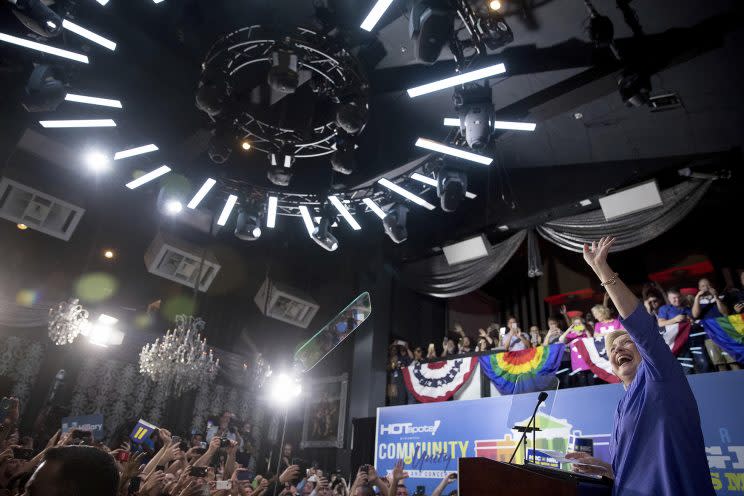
(66, 321)
(180, 360)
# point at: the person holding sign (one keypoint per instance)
(657, 445)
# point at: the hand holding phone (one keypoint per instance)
(198, 472)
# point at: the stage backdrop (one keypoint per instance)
(430, 437)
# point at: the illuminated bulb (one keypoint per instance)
(173, 207)
(97, 161)
(108, 254)
(245, 145)
(494, 5)
(22, 227)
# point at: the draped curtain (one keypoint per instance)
(14, 315)
(632, 230)
(435, 277)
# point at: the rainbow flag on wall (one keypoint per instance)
(728, 333)
(505, 368)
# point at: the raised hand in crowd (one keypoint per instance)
(290, 474)
(399, 474)
(448, 479)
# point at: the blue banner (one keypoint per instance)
(90, 423)
(431, 437)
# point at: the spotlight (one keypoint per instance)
(281, 159)
(496, 32)
(283, 75)
(22, 227)
(285, 387)
(273, 203)
(430, 28)
(44, 92)
(352, 116)
(37, 17)
(97, 161)
(322, 234)
(212, 94)
(343, 160)
(245, 145)
(173, 207)
(220, 146)
(395, 223)
(279, 176)
(452, 186)
(477, 126)
(634, 88)
(169, 200)
(91, 100)
(89, 35)
(248, 226)
(109, 254)
(494, 5)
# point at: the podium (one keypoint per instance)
(483, 476)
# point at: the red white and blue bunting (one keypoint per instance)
(438, 381)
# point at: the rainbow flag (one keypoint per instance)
(505, 368)
(728, 333)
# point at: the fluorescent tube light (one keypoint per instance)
(375, 208)
(227, 210)
(375, 14)
(466, 77)
(271, 214)
(344, 212)
(199, 196)
(515, 126)
(452, 121)
(105, 102)
(79, 123)
(44, 48)
(103, 2)
(433, 182)
(135, 151)
(405, 193)
(146, 178)
(455, 152)
(87, 34)
(309, 224)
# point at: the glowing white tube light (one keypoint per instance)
(199, 196)
(455, 152)
(433, 182)
(344, 212)
(135, 151)
(309, 224)
(375, 14)
(44, 48)
(103, 2)
(405, 193)
(509, 125)
(91, 100)
(452, 121)
(146, 178)
(375, 208)
(227, 210)
(466, 77)
(79, 123)
(271, 214)
(89, 35)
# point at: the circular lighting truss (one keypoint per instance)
(335, 77)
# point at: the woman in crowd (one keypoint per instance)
(535, 337)
(604, 322)
(483, 344)
(515, 339)
(464, 345)
(580, 374)
(554, 332)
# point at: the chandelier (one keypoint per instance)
(180, 360)
(66, 321)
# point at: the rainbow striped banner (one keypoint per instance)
(504, 369)
(728, 333)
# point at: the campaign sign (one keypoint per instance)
(142, 431)
(430, 437)
(90, 423)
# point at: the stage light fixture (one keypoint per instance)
(433, 182)
(466, 77)
(212, 94)
(307, 219)
(227, 210)
(285, 387)
(375, 208)
(103, 2)
(494, 5)
(220, 145)
(375, 14)
(173, 207)
(271, 212)
(78, 123)
(283, 75)
(343, 159)
(44, 92)
(634, 87)
(199, 196)
(344, 212)
(132, 152)
(322, 234)
(90, 100)
(245, 145)
(146, 178)
(97, 161)
(279, 176)
(455, 152)
(430, 27)
(248, 226)
(495, 31)
(43, 48)
(395, 224)
(281, 160)
(405, 193)
(476, 123)
(352, 116)
(89, 35)
(452, 184)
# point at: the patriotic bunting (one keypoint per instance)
(593, 352)
(438, 381)
(503, 369)
(728, 333)
(676, 335)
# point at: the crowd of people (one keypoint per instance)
(670, 307)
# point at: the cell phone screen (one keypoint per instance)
(198, 472)
(244, 475)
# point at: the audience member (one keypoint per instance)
(483, 344)
(675, 311)
(449, 347)
(464, 345)
(515, 339)
(604, 323)
(554, 332)
(581, 374)
(431, 351)
(707, 304)
(535, 337)
(482, 333)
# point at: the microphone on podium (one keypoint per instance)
(540, 399)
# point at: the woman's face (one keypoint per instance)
(466, 342)
(534, 330)
(418, 353)
(482, 344)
